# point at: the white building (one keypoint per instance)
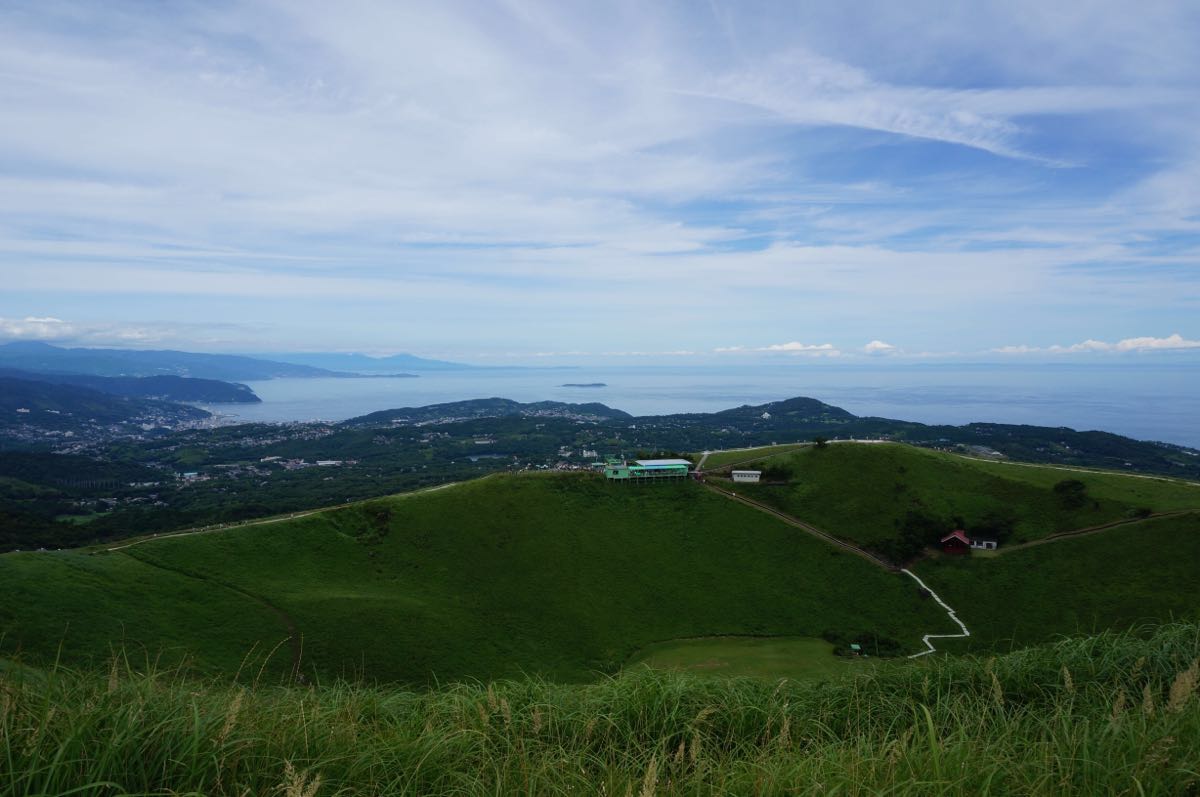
(746, 475)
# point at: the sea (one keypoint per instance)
(1143, 401)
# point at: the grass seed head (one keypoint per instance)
(997, 690)
(113, 677)
(231, 715)
(1183, 687)
(296, 783)
(650, 781)
(1118, 705)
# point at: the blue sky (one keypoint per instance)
(563, 182)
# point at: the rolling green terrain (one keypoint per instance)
(1113, 579)
(770, 657)
(560, 575)
(865, 492)
(720, 459)
(94, 605)
(1114, 714)
(566, 575)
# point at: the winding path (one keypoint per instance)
(949, 611)
(829, 538)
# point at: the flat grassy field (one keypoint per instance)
(861, 492)
(561, 575)
(1122, 577)
(798, 658)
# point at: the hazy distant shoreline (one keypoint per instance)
(1161, 404)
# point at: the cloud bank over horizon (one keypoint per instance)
(532, 179)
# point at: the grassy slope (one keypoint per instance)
(91, 605)
(860, 492)
(1113, 579)
(1067, 719)
(719, 459)
(555, 574)
(777, 657)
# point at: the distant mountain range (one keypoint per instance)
(43, 357)
(164, 388)
(365, 364)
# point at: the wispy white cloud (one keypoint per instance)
(879, 347)
(794, 347)
(375, 169)
(116, 333)
(33, 328)
(1173, 342)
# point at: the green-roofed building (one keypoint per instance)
(646, 470)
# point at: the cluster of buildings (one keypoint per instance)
(651, 470)
(646, 470)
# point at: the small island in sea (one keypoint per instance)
(584, 384)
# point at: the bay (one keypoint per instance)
(1148, 402)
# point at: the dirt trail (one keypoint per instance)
(829, 538)
(250, 523)
(1078, 469)
(806, 527)
(213, 529)
(1062, 535)
(792, 448)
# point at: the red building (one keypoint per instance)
(956, 542)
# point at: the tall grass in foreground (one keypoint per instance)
(1113, 714)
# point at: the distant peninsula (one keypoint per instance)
(584, 384)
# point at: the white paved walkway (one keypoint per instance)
(949, 611)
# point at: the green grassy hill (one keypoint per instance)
(1113, 579)
(720, 459)
(863, 492)
(559, 575)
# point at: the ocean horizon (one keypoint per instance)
(1145, 401)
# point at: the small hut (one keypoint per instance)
(956, 542)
